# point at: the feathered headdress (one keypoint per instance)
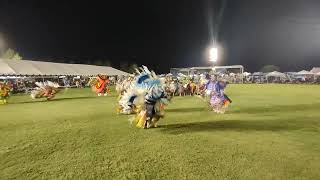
(145, 82)
(43, 88)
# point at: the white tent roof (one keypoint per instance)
(229, 67)
(201, 68)
(246, 74)
(47, 68)
(25, 67)
(276, 74)
(5, 68)
(210, 68)
(304, 72)
(258, 74)
(315, 70)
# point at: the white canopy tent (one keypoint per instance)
(305, 75)
(246, 74)
(315, 70)
(239, 67)
(276, 74)
(38, 68)
(304, 72)
(5, 69)
(21, 67)
(258, 74)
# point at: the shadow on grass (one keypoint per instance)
(279, 108)
(53, 100)
(240, 125)
(183, 110)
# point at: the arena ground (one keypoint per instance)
(269, 132)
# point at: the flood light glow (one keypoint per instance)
(213, 56)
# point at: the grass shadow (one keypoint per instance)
(53, 100)
(279, 108)
(184, 110)
(240, 125)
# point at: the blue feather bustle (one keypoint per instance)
(148, 95)
(145, 81)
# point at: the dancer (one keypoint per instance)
(173, 87)
(100, 85)
(192, 87)
(210, 86)
(131, 94)
(46, 90)
(132, 98)
(4, 92)
(123, 84)
(146, 97)
(219, 101)
(155, 101)
(203, 81)
(181, 89)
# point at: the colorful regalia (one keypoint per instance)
(209, 88)
(219, 101)
(173, 88)
(46, 90)
(100, 85)
(4, 92)
(192, 87)
(155, 101)
(146, 97)
(123, 84)
(132, 98)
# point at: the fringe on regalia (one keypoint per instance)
(149, 116)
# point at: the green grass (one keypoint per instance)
(270, 132)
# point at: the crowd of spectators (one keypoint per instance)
(27, 84)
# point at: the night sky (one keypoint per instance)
(165, 33)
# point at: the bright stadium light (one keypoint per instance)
(213, 54)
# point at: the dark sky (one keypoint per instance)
(165, 33)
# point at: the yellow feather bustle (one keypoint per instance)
(141, 119)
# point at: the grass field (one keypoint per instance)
(270, 132)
